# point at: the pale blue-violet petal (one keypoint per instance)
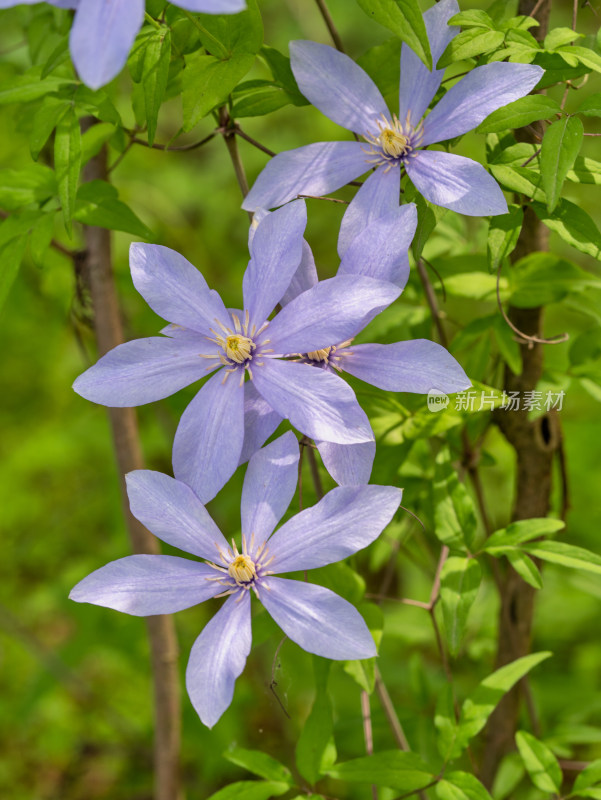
(260, 421)
(348, 464)
(378, 197)
(304, 278)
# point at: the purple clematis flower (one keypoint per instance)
(342, 91)
(229, 419)
(418, 366)
(104, 31)
(347, 519)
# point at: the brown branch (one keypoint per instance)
(239, 132)
(390, 712)
(433, 304)
(368, 733)
(327, 18)
(96, 266)
(228, 131)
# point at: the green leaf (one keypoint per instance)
(519, 179)
(475, 18)
(446, 725)
(11, 255)
(251, 790)
(93, 139)
(260, 764)
(566, 555)
(20, 187)
(364, 671)
(574, 226)
(45, 121)
(522, 531)
(525, 568)
(461, 786)
(98, 204)
(315, 751)
(477, 709)
(157, 56)
(30, 86)
(459, 583)
(428, 216)
(383, 65)
(237, 34)
(257, 98)
(543, 278)
(591, 107)
(583, 55)
(67, 163)
(585, 170)
(454, 514)
(520, 113)
(281, 71)
(404, 19)
(588, 777)
(559, 37)
(40, 238)
(207, 82)
(561, 144)
(541, 764)
(470, 43)
(404, 772)
(503, 233)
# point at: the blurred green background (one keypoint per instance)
(75, 692)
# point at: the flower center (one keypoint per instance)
(238, 348)
(320, 355)
(394, 143)
(242, 569)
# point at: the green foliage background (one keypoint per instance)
(75, 694)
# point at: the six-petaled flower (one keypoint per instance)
(347, 519)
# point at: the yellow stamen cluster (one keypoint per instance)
(394, 140)
(326, 355)
(394, 143)
(320, 355)
(238, 348)
(242, 569)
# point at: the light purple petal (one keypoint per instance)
(332, 311)
(102, 36)
(144, 585)
(414, 366)
(269, 487)
(315, 169)
(337, 86)
(208, 440)
(319, 404)
(317, 619)
(212, 6)
(346, 520)
(418, 84)
(171, 510)
(381, 249)
(457, 183)
(57, 3)
(476, 96)
(218, 657)
(348, 464)
(276, 252)
(378, 197)
(304, 278)
(175, 289)
(145, 370)
(260, 421)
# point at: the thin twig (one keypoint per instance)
(323, 197)
(415, 791)
(228, 130)
(239, 132)
(437, 273)
(431, 299)
(536, 7)
(368, 733)
(390, 712)
(532, 157)
(273, 683)
(184, 148)
(530, 340)
(327, 18)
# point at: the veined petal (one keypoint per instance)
(58, 3)
(317, 403)
(378, 197)
(457, 183)
(144, 585)
(102, 36)
(269, 487)
(332, 311)
(276, 252)
(212, 6)
(318, 620)
(171, 510)
(414, 366)
(337, 86)
(260, 421)
(315, 169)
(208, 440)
(145, 370)
(474, 97)
(218, 657)
(348, 464)
(346, 520)
(418, 84)
(381, 249)
(304, 278)
(175, 289)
